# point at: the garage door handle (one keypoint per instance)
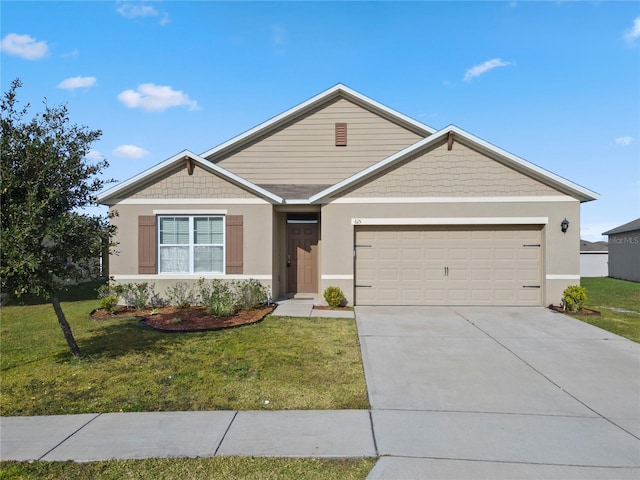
(530, 286)
(363, 286)
(446, 271)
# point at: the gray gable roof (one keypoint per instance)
(627, 227)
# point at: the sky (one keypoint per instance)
(555, 83)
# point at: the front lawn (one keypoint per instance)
(217, 468)
(618, 301)
(280, 363)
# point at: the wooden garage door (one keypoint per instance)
(418, 265)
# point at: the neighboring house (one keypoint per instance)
(624, 251)
(344, 191)
(593, 259)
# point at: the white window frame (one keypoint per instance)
(191, 245)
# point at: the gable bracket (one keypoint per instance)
(449, 141)
(190, 165)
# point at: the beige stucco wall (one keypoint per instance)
(305, 151)
(561, 262)
(257, 240)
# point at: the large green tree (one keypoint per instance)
(45, 181)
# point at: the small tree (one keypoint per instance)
(45, 180)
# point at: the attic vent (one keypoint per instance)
(341, 134)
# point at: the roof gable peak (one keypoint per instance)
(337, 91)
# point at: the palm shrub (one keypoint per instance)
(333, 296)
(574, 297)
(217, 295)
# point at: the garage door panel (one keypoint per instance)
(485, 265)
(411, 254)
(504, 274)
(478, 275)
(481, 254)
(434, 253)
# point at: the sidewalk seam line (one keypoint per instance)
(69, 436)
(224, 435)
(373, 434)
(515, 462)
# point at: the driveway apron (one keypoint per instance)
(454, 386)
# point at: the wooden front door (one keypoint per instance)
(302, 257)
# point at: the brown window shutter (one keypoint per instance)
(233, 244)
(147, 241)
(341, 134)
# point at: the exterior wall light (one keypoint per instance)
(564, 225)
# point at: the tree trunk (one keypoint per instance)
(64, 325)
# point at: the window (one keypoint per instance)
(191, 244)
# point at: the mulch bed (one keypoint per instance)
(584, 312)
(193, 319)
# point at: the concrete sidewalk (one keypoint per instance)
(303, 307)
(283, 433)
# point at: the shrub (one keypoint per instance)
(109, 303)
(135, 295)
(221, 307)
(334, 296)
(249, 294)
(217, 296)
(108, 297)
(574, 298)
(180, 295)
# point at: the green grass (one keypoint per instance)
(294, 363)
(227, 468)
(608, 296)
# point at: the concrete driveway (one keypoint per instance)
(489, 392)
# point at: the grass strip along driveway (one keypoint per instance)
(618, 302)
(280, 363)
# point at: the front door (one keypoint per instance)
(302, 257)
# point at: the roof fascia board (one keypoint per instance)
(205, 164)
(299, 109)
(577, 191)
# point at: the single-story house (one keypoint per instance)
(624, 251)
(344, 191)
(593, 259)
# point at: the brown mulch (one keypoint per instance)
(192, 319)
(582, 312)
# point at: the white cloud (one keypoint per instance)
(24, 46)
(72, 54)
(129, 151)
(77, 82)
(623, 141)
(94, 155)
(483, 68)
(137, 10)
(633, 33)
(156, 98)
(278, 34)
